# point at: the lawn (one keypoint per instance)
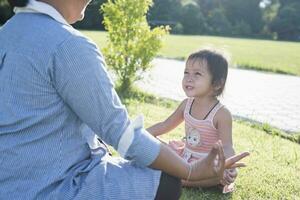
(273, 170)
(275, 56)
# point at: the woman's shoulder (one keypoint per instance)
(78, 39)
(54, 33)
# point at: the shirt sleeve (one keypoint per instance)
(81, 79)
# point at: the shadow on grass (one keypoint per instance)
(292, 136)
(204, 193)
(144, 97)
(263, 69)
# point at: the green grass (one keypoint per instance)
(265, 55)
(273, 170)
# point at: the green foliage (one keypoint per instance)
(218, 22)
(241, 28)
(241, 12)
(178, 29)
(270, 11)
(287, 22)
(93, 18)
(132, 44)
(192, 20)
(5, 11)
(166, 12)
(3, 2)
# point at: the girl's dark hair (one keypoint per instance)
(18, 3)
(217, 66)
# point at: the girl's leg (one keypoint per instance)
(169, 187)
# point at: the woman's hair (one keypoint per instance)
(217, 66)
(18, 3)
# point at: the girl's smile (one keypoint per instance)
(189, 87)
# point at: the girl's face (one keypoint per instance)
(197, 79)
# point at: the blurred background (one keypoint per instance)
(271, 19)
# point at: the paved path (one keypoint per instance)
(256, 96)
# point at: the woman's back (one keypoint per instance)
(56, 91)
(39, 134)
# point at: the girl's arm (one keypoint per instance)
(223, 123)
(170, 123)
(224, 126)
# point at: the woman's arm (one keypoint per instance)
(169, 162)
(203, 183)
(79, 76)
(170, 123)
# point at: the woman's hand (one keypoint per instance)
(232, 162)
(209, 167)
(214, 164)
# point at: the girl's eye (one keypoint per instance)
(198, 74)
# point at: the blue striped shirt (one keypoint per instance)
(53, 82)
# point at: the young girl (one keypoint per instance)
(206, 119)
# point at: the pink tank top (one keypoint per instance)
(201, 135)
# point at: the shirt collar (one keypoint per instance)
(40, 7)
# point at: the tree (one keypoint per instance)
(270, 10)
(208, 5)
(218, 22)
(192, 20)
(5, 11)
(93, 18)
(287, 22)
(166, 12)
(132, 45)
(243, 13)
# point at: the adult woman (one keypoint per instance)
(56, 90)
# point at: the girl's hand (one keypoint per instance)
(231, 164)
